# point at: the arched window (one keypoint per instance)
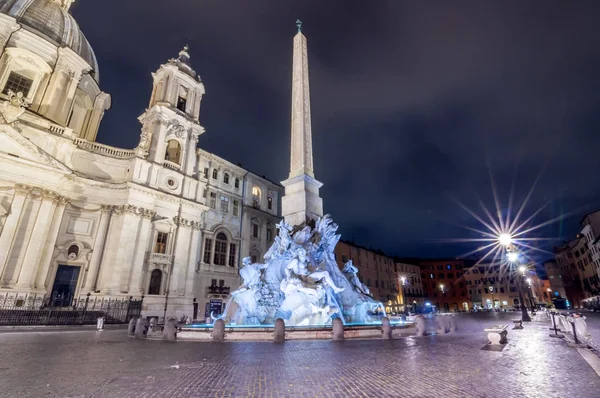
(173, 152)
(155, 281)
(220, 249)
(226, 178)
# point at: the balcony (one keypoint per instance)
(158, 258)
(219, 290)
(172, 165)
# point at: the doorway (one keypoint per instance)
(65, 285)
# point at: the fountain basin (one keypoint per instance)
(203, 332)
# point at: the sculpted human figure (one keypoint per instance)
(298, 265)
(324, 275)
(250, 272)
(350, 272)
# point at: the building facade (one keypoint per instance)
(444, 285)
(375, 270)
(410, 293)
(163, 220)
(576, 268)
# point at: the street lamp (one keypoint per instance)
(525, 314)
(493, 303)
(530, 294)
(505, 240)
(403, 280)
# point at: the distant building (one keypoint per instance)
(375, 270)
(444, 285)
(412, 291)
(555, 278)
(578, 273)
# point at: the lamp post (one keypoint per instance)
(442, 287)
(493, 303)
(403, 283)
(530, 294)
(525, 314)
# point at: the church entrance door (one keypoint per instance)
(65, 285)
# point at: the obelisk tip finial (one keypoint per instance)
(299, 25)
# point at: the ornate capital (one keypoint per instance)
(196, 225)
(22, 189)
(182, 222)
(148, 213)
(106, 208)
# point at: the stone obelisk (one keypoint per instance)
(301, 201)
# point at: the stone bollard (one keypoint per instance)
(141, 328)
(279, 333)
(386, 328)
(131, 328)
(100, 323)
(581, 327)
(452, 324)
(218, 333)
(420, 325)
(152, 325)
(338, 329)
(170, 330)
(442, 324)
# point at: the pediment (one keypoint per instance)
(15, 145)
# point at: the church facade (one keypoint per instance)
(165, 220)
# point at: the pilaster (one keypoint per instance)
(194, 258)
(182, 246)
(142, 246)
(91, 279)
(42, 272)
(37, 241)
(11, 225)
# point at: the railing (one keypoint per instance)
(31, 119)
(172, 165)
(64, 310)
(159, 258)
(104, 149)
(219, 289)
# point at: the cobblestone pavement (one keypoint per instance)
(109, 364)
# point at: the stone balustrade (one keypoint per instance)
(104, 149)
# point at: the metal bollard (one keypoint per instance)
(574, 331)
(556, 330)
(100, 323)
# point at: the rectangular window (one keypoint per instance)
(204, 191)
(206, 172)
(237, 182)
(236, 206)
(181, 102)
(161, 243)
(207, 249)
(232, 254)
(221, 282)
(224, 204)
(215, 174)
(17, 83)
(220, 252)
(255, 230)
(269, 234)
(213, 282)
(213, 200)
(270, 203)
(376, 283)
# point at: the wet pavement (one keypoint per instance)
(109, 364)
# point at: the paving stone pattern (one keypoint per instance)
(109, 364)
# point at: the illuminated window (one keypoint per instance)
(161, 243)
(256, 197)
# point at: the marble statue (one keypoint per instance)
(301, 283)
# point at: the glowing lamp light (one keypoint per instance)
(529, 280)
(522, 269)
(505, 240)
(512, 257)
(403, 280)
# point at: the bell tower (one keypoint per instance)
(170, 125)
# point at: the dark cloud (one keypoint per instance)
(413, 103)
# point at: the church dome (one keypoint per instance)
(52, 21)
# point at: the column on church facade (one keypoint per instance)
(124, 256)
(141, 250)
(91, 278)
(42, 273)
(194, 258)
(11, 225)
(182, 246)
(37, 241)
(191, 159)
(111, 245)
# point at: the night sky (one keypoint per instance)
(414, 104)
